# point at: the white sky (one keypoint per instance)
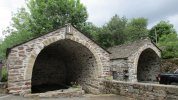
(100, 11)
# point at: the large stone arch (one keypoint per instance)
(62, 63)
(21, 58)
(147, 63)
(47, 42)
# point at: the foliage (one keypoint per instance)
(109, 78)
(118, 31)
(47, 15)
(162, 28)
(42, 16)
(4, 74)
(1, 40)
(90, 30)
(113, 32)
(136, 29)
(169, 45)
(166, 37)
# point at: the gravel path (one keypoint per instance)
(87, 97)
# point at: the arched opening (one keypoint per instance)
(148, 66)
(62, 64)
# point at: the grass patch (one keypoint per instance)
(4, 74)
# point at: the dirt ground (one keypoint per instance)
(85, 97)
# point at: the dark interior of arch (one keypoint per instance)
(61, 65)
(148, 66)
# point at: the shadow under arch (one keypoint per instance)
(62, 63)
(148, 66)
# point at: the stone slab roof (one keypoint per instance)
(125, 50)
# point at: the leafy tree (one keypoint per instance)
(48, 15)
(165, 34)
(1, 40)
(162, 28)
(0, 47)
(112, 33)
(42, 16)
(118, 31)
(90, 30)
(136, 29)
(169, 45)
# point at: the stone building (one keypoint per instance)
(135, 61)
(58, 58)
(67, 56)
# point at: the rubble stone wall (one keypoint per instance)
(119, 68)
(143, 65)
(133, 60)
(148, 66)
(21, 58)
(141, 91)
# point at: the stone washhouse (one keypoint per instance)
(66, 55)
(136, 61)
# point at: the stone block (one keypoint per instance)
(20, 48)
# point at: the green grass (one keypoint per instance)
(4, 74)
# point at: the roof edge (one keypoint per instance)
(9, 49)
(91, 39)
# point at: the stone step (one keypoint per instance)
(71, 92)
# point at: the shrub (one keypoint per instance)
(4, 74)
(169, 45)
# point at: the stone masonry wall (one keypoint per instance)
(64, 62)
(133, 60)
(119, 68)
(142, 65)
(141, 91)
(3, 88)
(148, 66)
(22, 57)
(49, 68)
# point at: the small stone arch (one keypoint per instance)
(147, 64)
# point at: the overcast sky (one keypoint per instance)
(100, 11)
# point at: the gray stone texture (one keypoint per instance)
(148, 66)
(118, 67)
(140, 58)
(141, 91)
(64, 62)
(3, 88)
(64, 55)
